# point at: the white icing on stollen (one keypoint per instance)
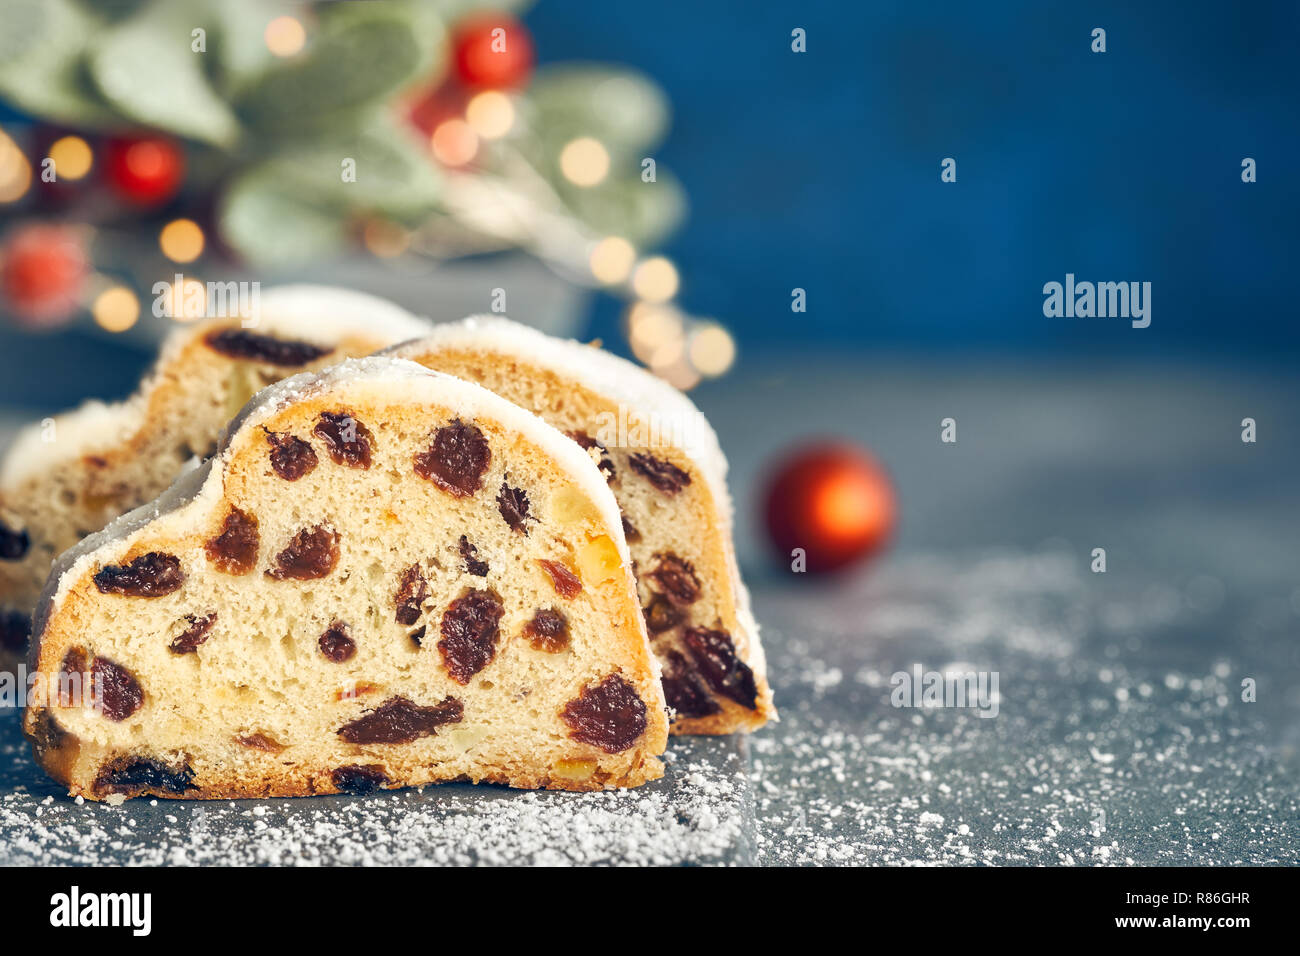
(629, 386)
(194, 496)
(321, 315)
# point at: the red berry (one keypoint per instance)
(832, 500)
(43, 273)
(492, 50)
(145, 170)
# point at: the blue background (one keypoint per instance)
(821, 170)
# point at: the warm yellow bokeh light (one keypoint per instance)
(584, 161)
(611, 259)
(186, 300)
(385, 239)
(181, 240)
(712, 350)
(490, 114)
(655, 280)
(454, 142)
(72, 158)
(15, 170)
(651, 327)
(116, 309)
(285, 36)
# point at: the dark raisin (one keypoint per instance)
(676, 579)
(256, 347)
(470, 628)
(411, 595)
(260, 742)
(400, 721)
(13, 544)
(359, 779)
(15, 630)
(188, 641)
(684, 691)
(629, 530)
(610, 715)
(337, 644)
(606, 464)
(291, 457)
(472, 564)
(456, 460)
(234, 551)
(661, 615)
(74, 679)
(312, 553)
(150, 575)
(715, 655)
(117, 693)
(136, 775)
(567, 584)
(548, 631)
(664, 475)
(513, 505)
(417, 635)
(346, 439)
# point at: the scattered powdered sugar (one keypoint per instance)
(1121, 738)
(696, 815)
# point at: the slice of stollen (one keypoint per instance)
(386, 577)
(663, 463)
(66, 477)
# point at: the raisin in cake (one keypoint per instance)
(662, 461)
(69, 476)
(386, 577)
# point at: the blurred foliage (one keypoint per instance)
(270, 132)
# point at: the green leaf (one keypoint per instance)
(148, 70)
(236, 41)
(621, 108)
(269, 227)
(42, 69)
(645, 213)
(353, 61)
(394, 177)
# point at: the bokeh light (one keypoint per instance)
(15, 170)
(584, 161)
(285, 36)
(454, 142)
(181, 240)
(655, 280)
(650, 328)
(385, 239)
(712, 350)
(611, 259)
(116, 309)
(490, 114)
(72, 158)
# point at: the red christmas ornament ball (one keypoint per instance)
(43, 271)
(834, 501)
(146, 170)
(492, 50)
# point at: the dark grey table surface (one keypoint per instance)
(1121, 735)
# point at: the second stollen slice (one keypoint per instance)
(663, 463)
